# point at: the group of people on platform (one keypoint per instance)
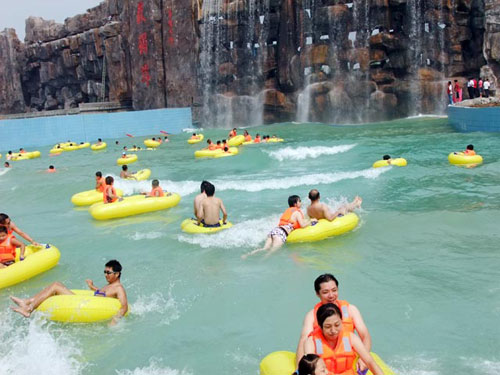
(476, 88)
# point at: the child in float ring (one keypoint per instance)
(337, 347)
(5, 221)
(311, 364)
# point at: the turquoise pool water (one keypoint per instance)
(422, 266)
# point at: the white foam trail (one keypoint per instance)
(138, 236)
(4, 171)
(301, 153)
(249, 233)
(415, 366)
(155, 368)
(192, 130)
(482, 366)
(159, 304)
(254, 185)
(29, 348)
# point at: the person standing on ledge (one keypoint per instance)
(449, 91)
(486, 86)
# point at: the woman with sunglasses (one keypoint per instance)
(5, 221)
(114, 289)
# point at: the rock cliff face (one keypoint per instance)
(253, 61)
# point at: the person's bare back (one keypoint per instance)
(197, 202)
(209, 210)
(318, 211)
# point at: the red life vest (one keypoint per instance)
(159, 189)
(248, 138)
(285, 218)
(256, 140)
(107, 199)
(232, 134)
(338, 360)
(470, 152)
(347, 322)
(7, 250)
(212, 147)
(102, 184)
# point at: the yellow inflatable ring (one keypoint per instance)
(236, 141)
(231, 152)
(27, 155)
(151, 143)
(56, 150)
(128, 159)
(81, 307)
(324, 229)
(399, 162)
(459, 158)
(83, 145)
(284, 363)
(134, 205)
(198, 140)
(191, 226)
(74, 147)
(141, 175)
(38, 259)
(86, 198)
(212, 153)
(96, 147)
(275, 140)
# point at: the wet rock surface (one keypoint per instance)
(248, 61)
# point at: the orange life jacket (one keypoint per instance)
(22, 152)
(212, 147)
(338, 360)
(285, 218)
(51, 171)
(7, 250)
(256, 140)
(347, 322)
(248, 138)
(194, 137)
(219, 147)
(107, 199)
(232, 134)
(470, 152)
(102, 184)
(159, 189)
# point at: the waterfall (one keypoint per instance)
(416, 52)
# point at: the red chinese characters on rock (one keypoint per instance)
(140, 13)
(143, 44)
(146, 77)
(170, 28)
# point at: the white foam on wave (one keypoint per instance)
(157, 303)
(301, 153)
(482, 366)
(418, 365)
(192, 130)
(138, 236)
(29, 348)
(155, 368)
(249, 233)
(254, 185)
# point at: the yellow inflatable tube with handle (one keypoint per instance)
(212, 153)
(197, 140)
(399, 162)
(81, 307)
(191, 226)
(231, 152)
(128, 159)
(141, 175)
(324, 229)
(38, 259)
(275, 140)
(96, 147)
(83, 145)
(26, 155)
(459, 158)
(134, 205)
(151, 143)
(236, 141)
(88, 197)
(284, 363)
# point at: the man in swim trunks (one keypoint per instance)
(125, 173)
(209, 208)
(318, 210)
(292, 219)
(199, 198)
(114, 289)
(326, 287)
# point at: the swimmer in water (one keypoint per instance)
(8, 245)
(6, 164)
(114, 289)
(292, 219)
(387, 158)
(318, 210)
(51, 169)
(125, 173)
(209, 209)
(6, 222)
(99, 142)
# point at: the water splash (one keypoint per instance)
(155, 367)
(301, 153)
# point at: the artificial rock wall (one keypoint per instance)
(253, 61)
